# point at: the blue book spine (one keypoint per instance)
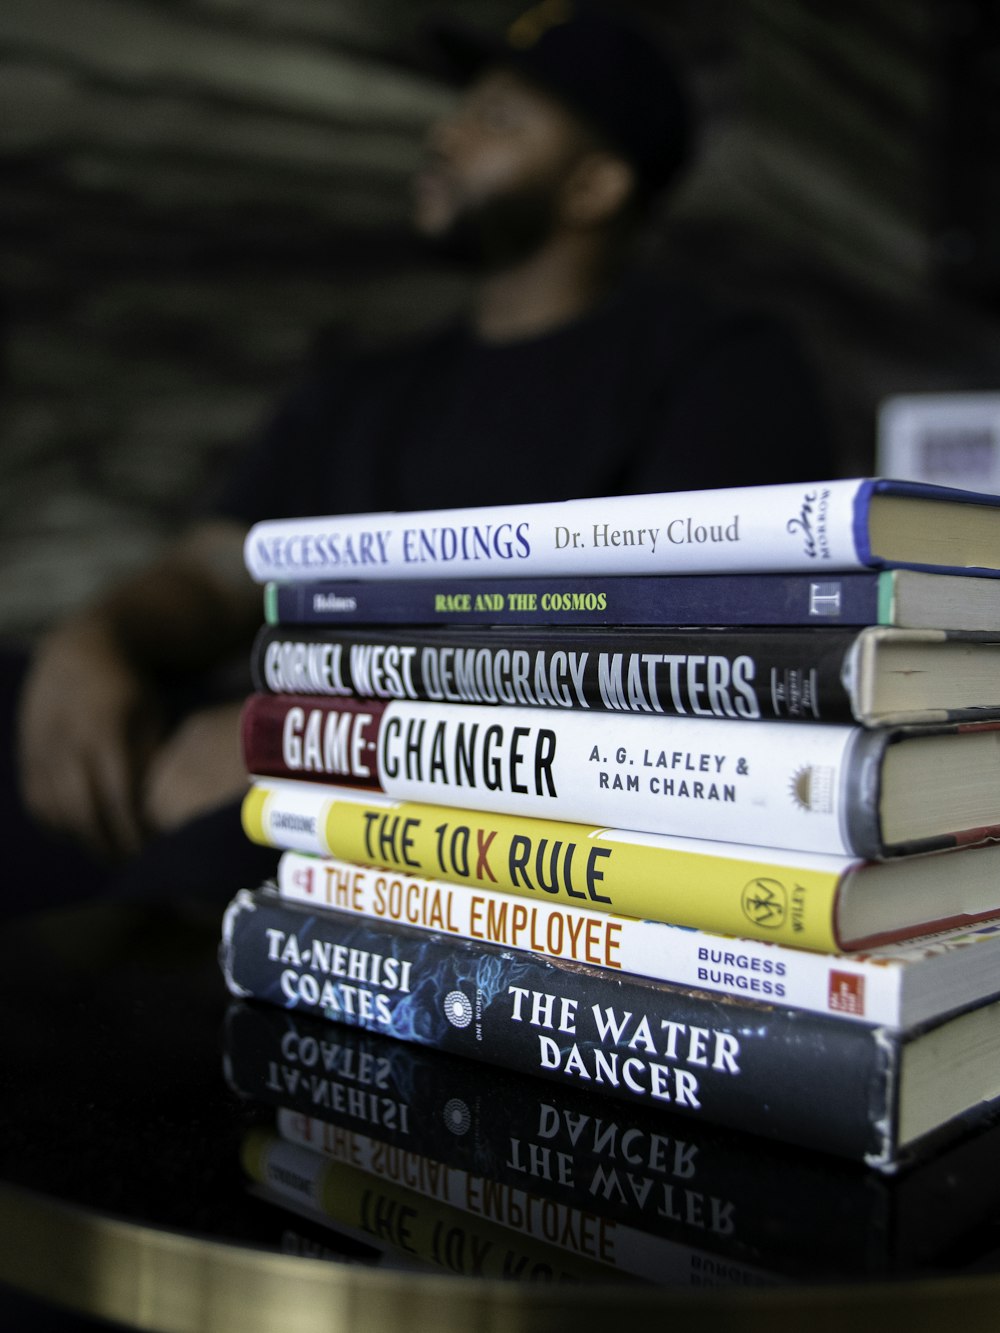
(696, 599)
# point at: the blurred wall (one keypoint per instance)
(197, 193)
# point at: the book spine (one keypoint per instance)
(859, 989)
(726, 888)
(792, 675)
(803, 527)
(768, 784)
(827, 598)
(782, 1073)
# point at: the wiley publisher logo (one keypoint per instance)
(765, 903)
(458, 1009)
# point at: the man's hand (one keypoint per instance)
(198, 768)
(87, 727)
(90, 721)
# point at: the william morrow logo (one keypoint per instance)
(804, 523)
(458, 1009)
(810, 524)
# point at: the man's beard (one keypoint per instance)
(501, 231)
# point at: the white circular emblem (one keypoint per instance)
(458, 1009)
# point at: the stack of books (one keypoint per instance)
(690, 800)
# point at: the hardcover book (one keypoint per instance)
(810, 900)
(902, 597)
(867, 1093)
(897, 985)
(873, 676)
(806, 526)
(815, 786)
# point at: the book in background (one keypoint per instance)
(946, 439)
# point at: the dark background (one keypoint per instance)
(195, 195)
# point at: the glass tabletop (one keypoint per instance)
(173, 1159)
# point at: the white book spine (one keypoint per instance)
(860, 988)
(763, 783)
(791, 526)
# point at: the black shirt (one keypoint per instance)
(657, 389)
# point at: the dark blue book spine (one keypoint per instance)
(786, 1074)
(699, 599)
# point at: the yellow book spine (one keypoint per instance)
(788, 900)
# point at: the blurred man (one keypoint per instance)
(569, 374)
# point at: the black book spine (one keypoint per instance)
(789, 1075)
(790, 674)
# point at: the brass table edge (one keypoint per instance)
(168, 1281)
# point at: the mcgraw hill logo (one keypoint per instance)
(846, 994)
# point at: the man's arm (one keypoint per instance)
(92, 724)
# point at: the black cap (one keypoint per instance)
(602, 66)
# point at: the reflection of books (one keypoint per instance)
(842, 524)
(309, 1234)
(776, 1209)
(903, 597)
(814, 786)
(869, 1093)
(805, 899)
(423, 1225)
(949, 439)
(420, 1202)
(874, 675)
(900, 985)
